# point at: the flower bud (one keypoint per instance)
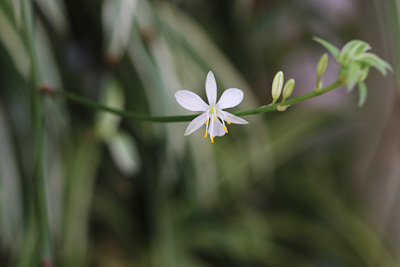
(277, 85)
(322, 65)
(288, 89)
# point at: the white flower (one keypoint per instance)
(213, 115)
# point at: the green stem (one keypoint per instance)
(126, 114)
(38, 133)
(132, 115)
(291, 101)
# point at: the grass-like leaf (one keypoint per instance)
(362, 89)
(353, 75)
(330, 47)
(374, 61)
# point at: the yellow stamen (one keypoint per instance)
(228, 121)
(226, 130)
(207, 121)
(206, 133)
(215, 118)
(212, 139)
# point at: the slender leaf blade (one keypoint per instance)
(374, 61)
(330, 47)
(353, 75)
(362, 89)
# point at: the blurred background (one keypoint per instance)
(317, 185)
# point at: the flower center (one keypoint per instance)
(212, 109)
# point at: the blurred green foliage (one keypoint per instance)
(281, 191)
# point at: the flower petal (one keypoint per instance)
(211, 89)
(190, 101)
(218, 129)
(234, 119)
(195, 124)
(230, 98)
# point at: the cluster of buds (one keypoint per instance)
(355, 62)
(277, 85)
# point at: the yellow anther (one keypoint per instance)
(207, 121)
(228, 121)
(206, 133)
(215, 118)
(212, 139)
(226, 130)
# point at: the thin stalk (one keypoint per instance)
(126, 114)
(38, 133)
(291, 101)
(132, 115)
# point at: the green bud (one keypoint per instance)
(277, 85)
(322, 65)
(288, 88)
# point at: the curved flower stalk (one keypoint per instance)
(213, 115)
(354, 60)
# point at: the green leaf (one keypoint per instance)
(107, 124)
(124, 152)
(353, 75)
(374, 61)
(54, 11)
(364, 73)
(362, 89)
(330, 47)
(117, 18)
(352, 49)
(12, 41)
